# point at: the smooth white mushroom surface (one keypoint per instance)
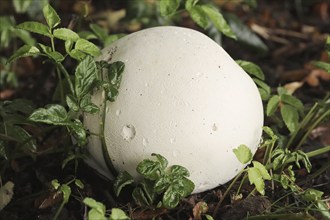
(181, 96)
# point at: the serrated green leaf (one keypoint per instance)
(66, 34)
(270, 132)
(199, 16)
(251, 68)
(85, 76)
(53, 55)
(72, 103)
(118, 214)
(99, 31)
(305, 160)
(263, 171)
(272, 105)
(162, 160)
(290, 117)
(293, 101)
(123, 179)
(243, 154)
(51, 16)
(218, 20)
(21, 6)
(35, 27)
(94, 214)
(87, 47)
(24, 51)
(77, 54)
(255, 178)
(167, 7)
(53, 114)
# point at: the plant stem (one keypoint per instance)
(309, 154)
(67, 76)
(225, 194)
(58, 212)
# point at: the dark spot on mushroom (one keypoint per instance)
(219, 67)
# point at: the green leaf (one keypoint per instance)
(86, 105)
(111, 94)
(243, 154)
(24, 51)
(55, 184)
(78, 130)
(97, 211)
(263, 171)
(53, 114)
(112, 38)
(115, 71)
(35, 27)
(305, 160)
(66, 34)
(149, 169)
(178, 170)
(290, 117)
(162, 184)
(23, 137)
(77, 54)
(270, 132)
(87, 47)
(162, 160)
(71, 101)
(190, 3)
(245, 35)
(218, 21)
(66, 190)
(118, 214)
(293, 101)
(85, 76)
(199, 16)
(170, 198)
(256, 179)
(140, 198)
(53, 55)
(78, 183)
(322, 65)
(272, 105)
(21, 6)
(167, 7)
(123, 179)
(263, 88)
(251, 68)
(51, 16)
(99, 31)
(188, 186)
(88, 35)
(24, 36)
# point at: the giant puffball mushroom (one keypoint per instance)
(181, 96)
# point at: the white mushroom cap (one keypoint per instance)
(181, 96)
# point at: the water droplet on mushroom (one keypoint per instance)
(118, 112)
(128, 132)
(145, 142)
(172, 140)
(214, 127)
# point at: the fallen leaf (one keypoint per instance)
(292, 87)
(6, 194)
(199, 209)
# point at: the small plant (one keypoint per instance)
(161, 185)
(98, 211)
